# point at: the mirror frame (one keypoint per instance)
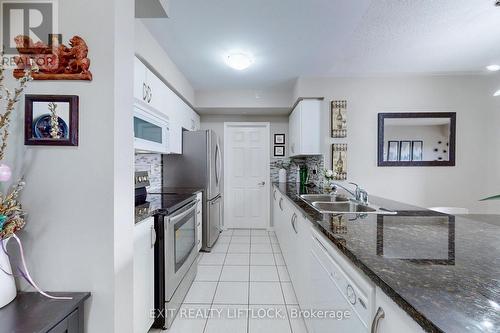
(451, 148)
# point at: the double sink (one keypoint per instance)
(338, 204)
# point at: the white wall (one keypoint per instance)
(232, 99)
(493, 143)
(150, 50)
(469, 96)
(80, 199)
(279, 125)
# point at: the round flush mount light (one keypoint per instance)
(239, 60)
(493, 68)
(497, 93)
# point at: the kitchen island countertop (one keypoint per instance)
(443, 270)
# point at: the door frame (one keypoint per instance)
(267, 160)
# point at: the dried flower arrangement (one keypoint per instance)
(11, 212)
(54, 121)
(12, 215)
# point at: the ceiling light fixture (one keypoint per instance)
(493, 68)
(239, 60)
(497, 93)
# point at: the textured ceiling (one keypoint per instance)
(295, 38)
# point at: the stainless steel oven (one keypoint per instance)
(180, 246)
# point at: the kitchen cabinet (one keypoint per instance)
(144, 241)
(34, 313)
(151, 92)
(148, 88)
(140, 86)
(323, 278)
(304, 122)
(394, 319)
(199, 219)
(292, 231)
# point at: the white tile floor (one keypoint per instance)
(243, 276)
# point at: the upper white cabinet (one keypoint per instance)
(151, 92)
(304, 128)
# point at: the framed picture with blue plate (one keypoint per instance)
(51, 120)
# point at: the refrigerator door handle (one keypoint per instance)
(216, 200)
(218, 166)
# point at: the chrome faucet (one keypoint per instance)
(359, 194)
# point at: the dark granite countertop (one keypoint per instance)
(444, 271)
(163, 201)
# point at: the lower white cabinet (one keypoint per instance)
(293, 233)
(390, 318)
(321, 275)
(144, 241)
(199, 220)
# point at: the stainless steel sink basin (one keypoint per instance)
(334, 204)
(342, 207)
(323, 198)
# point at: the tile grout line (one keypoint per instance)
(217, 286)
(283, 293)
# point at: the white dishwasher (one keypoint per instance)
(338, 288)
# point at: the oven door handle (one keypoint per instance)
(175, 218)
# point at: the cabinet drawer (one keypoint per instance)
(70, 324)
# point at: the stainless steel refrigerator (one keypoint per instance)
(199, 166)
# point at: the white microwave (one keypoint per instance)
(151, 131)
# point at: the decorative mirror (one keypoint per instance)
(416, 139)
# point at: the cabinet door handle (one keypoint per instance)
(153, 236)
(150, 93)
(144, 91)
(294, 219)
(376, 320)
(281, 201)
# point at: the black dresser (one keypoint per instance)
(31, 312)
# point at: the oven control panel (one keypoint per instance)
(141, 179)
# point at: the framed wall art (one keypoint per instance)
(338, 116)
(417, 151)
(279, 139)
(339, 161)
(51, 120)
(405, 151)
(279, 151)
(393, 151)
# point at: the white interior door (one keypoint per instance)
(247, 175)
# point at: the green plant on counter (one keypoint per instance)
(495, 197)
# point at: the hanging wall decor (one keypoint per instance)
(51, 120)
(339, 161)
(54, 61)
(279, 151)
(338, 111)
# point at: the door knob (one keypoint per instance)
(262, 183)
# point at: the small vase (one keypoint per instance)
(282, 176)
(7, 283)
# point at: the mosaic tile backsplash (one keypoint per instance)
(152, 164)
(312, 162)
